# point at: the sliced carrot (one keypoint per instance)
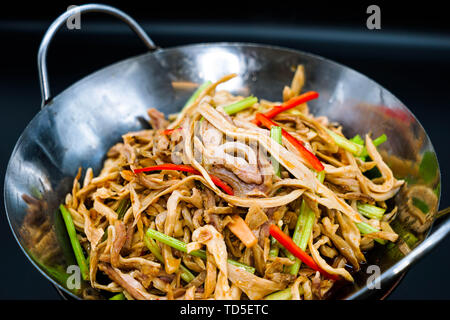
(242, 231)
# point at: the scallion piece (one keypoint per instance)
(370, 211)
(181, 246)
(240, 105)
(275, 134)
(76, 246)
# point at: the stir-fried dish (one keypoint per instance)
(232, 198)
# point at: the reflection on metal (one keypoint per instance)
(38, 233)
(113, 100)
(45, 237)
(418, 205)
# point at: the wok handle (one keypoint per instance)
(54, 27)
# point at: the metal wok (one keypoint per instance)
(78, 126)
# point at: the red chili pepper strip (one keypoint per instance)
(289, 244)
(222, 185)
(306, 154)
(184, 168)
(309, 156)
(291, 103)
(168, 132)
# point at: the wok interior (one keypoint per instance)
(82, 123)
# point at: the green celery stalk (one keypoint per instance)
(240, 105)
(285, 294)
(123, 207)
(321, 176)
(404, 233)
(303, 228)
(308, 223)
(288, 254)
(153, 247)
(381, 139)
(376, 142)
(346, 144)
(197, 93)
(370, 211)
(358, 140)
(185, 274)
(181, 246)
(119, 296)
(302, 232)
(274, 247)
(275, 134)
(365, 228)
(76, 246)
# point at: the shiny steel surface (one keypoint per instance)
(79, 125)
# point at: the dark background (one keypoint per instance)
(410, 56)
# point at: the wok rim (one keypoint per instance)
(388, 273)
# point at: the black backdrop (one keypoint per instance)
(410, 56)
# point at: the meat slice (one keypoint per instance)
(157, 119)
